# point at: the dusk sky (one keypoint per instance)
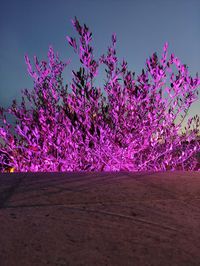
(142, 27)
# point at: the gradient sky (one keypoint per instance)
(142, 27)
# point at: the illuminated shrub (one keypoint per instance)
(136, 128)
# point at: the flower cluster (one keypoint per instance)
(136, 128)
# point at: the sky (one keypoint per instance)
(142, 27)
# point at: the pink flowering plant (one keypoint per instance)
(137, 128)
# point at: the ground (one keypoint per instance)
(100, 219)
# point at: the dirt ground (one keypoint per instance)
(93, 219)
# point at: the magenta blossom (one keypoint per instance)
(137, 128)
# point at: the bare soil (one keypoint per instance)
(100, 219)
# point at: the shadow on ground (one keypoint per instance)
(100, 219)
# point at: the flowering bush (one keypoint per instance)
(137, 128)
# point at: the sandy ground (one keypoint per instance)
(100, 219)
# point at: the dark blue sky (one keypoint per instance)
(142, 27)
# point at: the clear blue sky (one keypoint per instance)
(142, 27)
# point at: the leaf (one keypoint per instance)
(92, 128)
(91, 144)
(98, 132)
